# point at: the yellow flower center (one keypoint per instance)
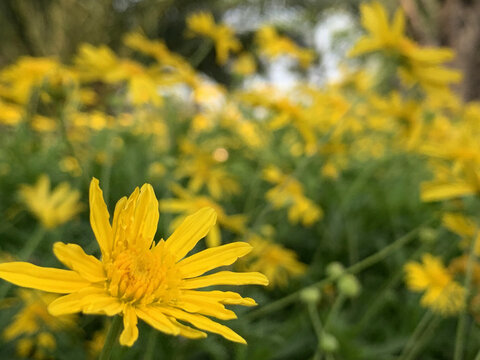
(144, 275)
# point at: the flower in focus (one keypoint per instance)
(33, 327)
(187, 203)
(276, 262)
(138, 278)
(442, 293)
(52, 208)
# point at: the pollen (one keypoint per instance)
(144, 276)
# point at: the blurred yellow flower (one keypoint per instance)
(203, 24)
(203, 170)
(188, 203)
(442, 293)
(52, 208)
(422, 65)
(33, 326)
(138, 278)
(272, 45)
(244, 65)
(288, 192)
(276, 262)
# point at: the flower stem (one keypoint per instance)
(356, 268)
(462, 316)
(111, 338)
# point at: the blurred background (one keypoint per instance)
(57, 28)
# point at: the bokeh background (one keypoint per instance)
(339, 138)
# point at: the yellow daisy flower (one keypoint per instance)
(442, 293)
(52, 208)
(138, 278)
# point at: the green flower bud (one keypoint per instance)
(427, 235)
(328, 343)
(310, 295)
(335, 270)
(349, 286)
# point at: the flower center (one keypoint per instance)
(144, 275)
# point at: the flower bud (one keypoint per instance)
(328, 343)
(335, 270)
(310, 295)
(349, 286)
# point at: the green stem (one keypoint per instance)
(365, 263)
(201, 53)
(419, 329)
(150, 344)
(111, 338)
(462, 316)
(317, 326)
(32, 243)
(334, 310)
(423, 339)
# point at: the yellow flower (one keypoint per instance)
(52, 208)
(418, 64)
(442, 293)
(244, 65)
(272, 45)
(288, 192)
(203, 170)
(203, 24)
(273, 260)
(138, 278)
(188, 203)
(35, 325)
(451, 183)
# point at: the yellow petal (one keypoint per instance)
(435, 191)
(73, 256)
(99, 219)
(224, 297)
(146, 216)
(205, 306)
(204, 323)
(155, 318)
(214, 237)
(187, 331)
(192, 229)
(40, 278)
(226, 278)
(85, 300)
(130, 331)
(212, 258)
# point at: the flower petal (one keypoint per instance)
(84, 300)
(130, 331)
(204, 323)
(187, 331)
(212, 258)
(226, 278)
(99, 218)
(41, 278)
(146, 216)
(223, 297)
(192, 229)
(73, 256)
(155, 318)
